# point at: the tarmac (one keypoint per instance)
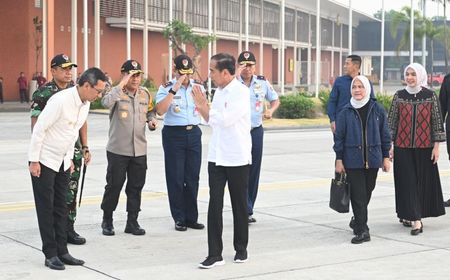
(296, 236)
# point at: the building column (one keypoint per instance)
(169, 70)
(283, 68)
(128, 28)
(210, 19)
(261, 41)
(85, 34)
(145, 39)
(97, 33)
(74, 38)
(318, 49)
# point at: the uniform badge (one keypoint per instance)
(185, 62)
(134, 64)
(246, 55)
(65, 57)
(176, 109)
(123, 115)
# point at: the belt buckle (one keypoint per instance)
(189, 127)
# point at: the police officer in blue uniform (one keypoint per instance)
(181, 138)
(260, 90)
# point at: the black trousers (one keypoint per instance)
(133, 169)
(50, 191)
(362, 183)
(23, 95)
(237, 178)
(182, 159)
(255, 169)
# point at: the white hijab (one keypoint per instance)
(421, 75)
(366, 84)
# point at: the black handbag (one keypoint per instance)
(340, 193)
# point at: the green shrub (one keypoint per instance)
(97, 104)
(384, 100)
(324, 96)
(295, 107)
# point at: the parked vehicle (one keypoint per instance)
(436, 79)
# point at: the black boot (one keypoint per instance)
(107, 224)
(72, 236)
(132, 225)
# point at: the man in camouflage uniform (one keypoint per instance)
(61, 68)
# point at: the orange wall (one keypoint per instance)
(17, 45)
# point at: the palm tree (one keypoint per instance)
(432, 32)
(444, 4)
(403, 18)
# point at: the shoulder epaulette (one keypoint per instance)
(168, 84)
(261, 77)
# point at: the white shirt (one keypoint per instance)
(229, 117)
(57, 129)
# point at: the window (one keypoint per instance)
(271, 20)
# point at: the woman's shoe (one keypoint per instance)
(416, 231)
(405, 223)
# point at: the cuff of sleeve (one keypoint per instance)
(339, 156)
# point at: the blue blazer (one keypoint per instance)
(348, 143)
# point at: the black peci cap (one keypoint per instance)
(246, 58)
(61, 60)
(131, 66)
(183, 64)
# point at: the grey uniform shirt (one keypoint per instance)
(128, 118)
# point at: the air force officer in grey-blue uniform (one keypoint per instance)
(260, 90)
(181, 139)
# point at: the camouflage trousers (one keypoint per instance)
(71, 198)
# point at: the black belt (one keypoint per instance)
(182, 127)
(256, 127)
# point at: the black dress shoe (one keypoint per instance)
(180, 226)
(68, 259)
(360, 238)
(75, 238)
(195, 225)
(54, 263)
(134, 228)
(416, 231)
(107, 227)
(447, 203)
(251, 220)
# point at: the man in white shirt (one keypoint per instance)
(229, 156)
(50, 159)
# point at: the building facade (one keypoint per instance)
(293, 68)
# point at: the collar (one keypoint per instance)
(252, 81)
(77, 99)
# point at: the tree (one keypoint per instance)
(444, 4)
(37, 36)
(432, 32)
(404, 18)
(180, 33)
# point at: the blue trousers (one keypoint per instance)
(182, 160)
(255, 169)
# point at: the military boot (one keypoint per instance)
(107, 224)
(73, 237)
(132, 225)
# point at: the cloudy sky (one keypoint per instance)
(372, 6)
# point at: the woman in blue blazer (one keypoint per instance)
(362, 147)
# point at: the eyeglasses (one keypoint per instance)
(100, 91)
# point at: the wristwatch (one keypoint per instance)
(172, 91)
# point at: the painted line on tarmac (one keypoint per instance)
(203, 191)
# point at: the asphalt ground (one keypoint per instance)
(297, 236)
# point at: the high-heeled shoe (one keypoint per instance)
(416, 231)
